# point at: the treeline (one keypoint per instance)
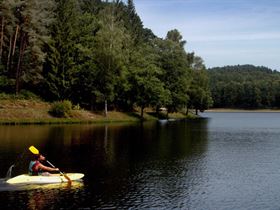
(96, 54)
(245, 86)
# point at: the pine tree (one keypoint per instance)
(24, 29)
(135, 25)
(7, 40)
(84, 85)
(91, 6)
(60, 68)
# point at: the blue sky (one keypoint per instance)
(222, 32)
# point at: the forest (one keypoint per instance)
(97, 54)
(245, 86)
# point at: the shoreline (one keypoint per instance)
(127, 118)
(28, 112)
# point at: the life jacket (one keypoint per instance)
(33, 169)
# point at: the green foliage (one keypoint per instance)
(175, 36)
(77, 107)
(28, 95)
(84, 85)
(23, 35)
(23, 95)
(91, 6)
(199, 92)
(144, 76)
(110, 52)
(60, 66)
(6, 84)
(94, 52)
(134, 23)
(176, 72)
(4, 96)
(244, 86)
(61, 108)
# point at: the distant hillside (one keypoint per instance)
(245, 86)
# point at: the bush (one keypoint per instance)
(61, 108)
(23, 95)
(77, 107)
(6, 85)
(4, 96)
(28, 95)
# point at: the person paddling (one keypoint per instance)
(37, 168)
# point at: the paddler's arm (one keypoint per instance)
(46, 168)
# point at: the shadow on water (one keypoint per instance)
(125, 165)
(140, 162)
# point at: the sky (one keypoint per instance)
(222, 32)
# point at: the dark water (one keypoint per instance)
(227, 161)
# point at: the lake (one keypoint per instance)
(224, 161)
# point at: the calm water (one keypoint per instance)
(227, 161)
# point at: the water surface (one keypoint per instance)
(226, 161)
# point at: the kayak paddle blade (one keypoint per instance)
(34, 150)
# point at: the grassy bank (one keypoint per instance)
(20, 111)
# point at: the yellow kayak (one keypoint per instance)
(53, 178)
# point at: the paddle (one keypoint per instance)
(36, 152)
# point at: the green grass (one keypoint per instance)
(34, 111)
